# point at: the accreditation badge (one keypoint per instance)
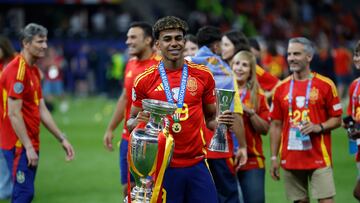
(176, 127)
(298, 141)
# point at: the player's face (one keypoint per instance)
(242, 69)
(37, 46)
(227, 48)
(190, 48)
(136, 41)
(297, 58)
(171, 43)
(356, 59)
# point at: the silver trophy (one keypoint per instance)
(219, 142)
(144, 146)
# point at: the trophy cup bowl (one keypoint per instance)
(219, 141)
(144, 148)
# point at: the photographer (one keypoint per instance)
(353, 112)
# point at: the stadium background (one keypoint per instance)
(93, 30)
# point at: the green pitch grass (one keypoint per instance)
(93, 177)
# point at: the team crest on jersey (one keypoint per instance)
(314, 95)
(133, 94)
(192, 85)
(18, 87)
(300, 101)
(175, 93)
(20, 177)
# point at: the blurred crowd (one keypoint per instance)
(88, 40)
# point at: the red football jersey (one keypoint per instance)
(20, 81)
(356, 115)
(189, 142)
(323, 104)
(133, 68)
(253, 139)
(266, 80)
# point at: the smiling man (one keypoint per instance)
(191, 87)
(22, 109)
(305, 108)
(139, 41)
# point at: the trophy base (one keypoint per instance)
(139, 195)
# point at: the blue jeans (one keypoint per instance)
(5, 178)
(252, 184)
(225, 181)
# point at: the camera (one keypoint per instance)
(349, 125)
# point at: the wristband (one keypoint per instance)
(273, 158)
(322, 128)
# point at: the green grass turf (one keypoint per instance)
(93, 177)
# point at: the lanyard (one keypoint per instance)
(167, 88)
(354, 96)
(243, 95)
(307, 96)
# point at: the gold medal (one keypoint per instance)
(176, 127)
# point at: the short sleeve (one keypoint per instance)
(333, 104)
(209, 93)
(275, 110)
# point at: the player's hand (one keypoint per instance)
(32, 157)
(309, 127)
(275, 170)
(227, 117)
(108, 137)
(69, 150)
(143, 117)
(240, 158)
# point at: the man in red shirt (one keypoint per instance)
(140, 42)
(353, 111)
(305, 108)
(22, 109)
(191, 87)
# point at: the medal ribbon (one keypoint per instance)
(353, 98)
(243, 95)
(167, 89)
(307, 96)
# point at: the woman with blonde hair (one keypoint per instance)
(252, 175)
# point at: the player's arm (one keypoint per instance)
(48, 121)
(116, 119)
(18, 124)
(137, 115)
(238, 129)
(275, 139)
(330, 124)
(258, 123)
(210, 116)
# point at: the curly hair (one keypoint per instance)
(169, 23)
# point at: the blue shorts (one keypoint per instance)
(225, 181)
(23, 176)
(123, 162)
(189, 184)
